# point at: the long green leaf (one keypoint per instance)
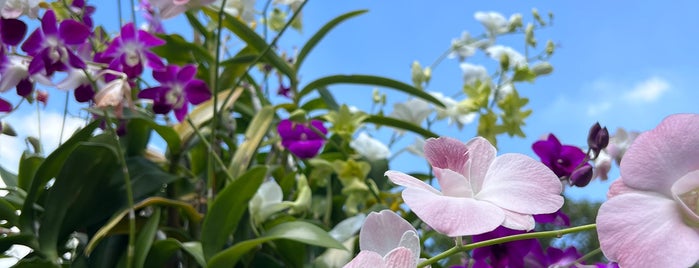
(163, 250)
(315, 39)
(297, 231)
(144, 241)
(253, 136)
(8, 177)
(227, 209)
(86, 167)
(392, 122)
(28, 165)
(8, 212)
(250, 37)
(368, 80)
(49, 169)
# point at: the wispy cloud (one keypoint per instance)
(649, 90)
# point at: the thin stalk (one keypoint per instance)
(38, 120)
(203, 139)
(65, 114)
(500, 240)
(129, 193)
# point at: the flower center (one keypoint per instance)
(133, 57)
(690, 200)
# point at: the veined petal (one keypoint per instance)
(383, 231)
(73, 32)
(521, 184)
(517, 221)
(618, 187)
(400, 258)
(659, 157)
(408, 181)
(365, 259)
(411, 241)
(646, 230)
(452, 183)
(453, 216)
(481, 154)
(447, 153)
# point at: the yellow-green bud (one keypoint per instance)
(515, 22)
(417, 74)
(537, 17)
(542, 68)
(550, 47)
(529, 34)
(298, 116)
(504, 61)
(277, 20)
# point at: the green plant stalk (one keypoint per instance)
(500, 240)
(203, 139)
(129, 194)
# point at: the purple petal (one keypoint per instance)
(197, 91)
(49, 24)
(453, 216)
(25, 87)
(548, 150)
(84, 93)
(186, 73)
(382, 232)
(148, 40)
(111, 52)
(13, 30)
(166, 75)
(318, 125)
(37, 64)
(33, 44)
(5, 106)
(75, 61)
(181, 113)
(154, 61)
(128, 32)
(287, 130)
(521, 184)
(643, 229)
(153, 93)
(659, 157)
(306, 149)
(73, 32)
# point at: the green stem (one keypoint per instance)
(65, 114)
(129, 193)
(500, 240)
(588, 255)
(203, 139)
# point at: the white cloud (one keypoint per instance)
(598, 108)
(26, 125)
(648, 91)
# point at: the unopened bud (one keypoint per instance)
(7, 129)
(597, 138)
(504, 61)
(515, 22)
(542, 68)
(298, 116)
(427, 73)
(537, 17)
(550, 47)
(417, 74)
(529, 35)
(581, 176)
(42, 96)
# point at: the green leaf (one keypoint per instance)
(162, 251)
(328, 98)
(15, 239)
(244, 32)
(48, 169)
(253, 136)
(179, 51)
(8, 212)
(204, 112)
(368, 80)
(144, 241)
(396, 123)
(87, 166)
(315, 39)
(297, 231)
(8, 177)
(28, 165)
(227, 209)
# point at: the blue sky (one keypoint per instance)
(624, 65)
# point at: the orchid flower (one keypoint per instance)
(494, 22)
(14, 8)
(479, 190)
(414, 111)
(300, 139)
(474, 73)
(171, 8)
(516, 60)
(386, 240)
(562, 159)
(178, 88)
(129, 52)
(452, 111)
(651, 218)
(370, 148)
(49, 45)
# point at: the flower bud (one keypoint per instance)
(581, 176)
(504, 61)
(597, 138)
(7, 130)
(542, 68)
(550, 47)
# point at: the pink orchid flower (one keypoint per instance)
(479, 191)
(386, 240)
(651, 218)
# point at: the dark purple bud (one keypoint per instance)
(581, 176)
(597, 138)
(25, 87)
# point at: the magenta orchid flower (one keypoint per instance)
(479, 191)
(301, 139)
(129, 52)
(386, 240)
(171, 8)
(50, 45)
(651, 218)
(562, 159)
(178, 88)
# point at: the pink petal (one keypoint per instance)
(382, 232)
(453, 216)
(659, 157)
(517, 221)
(447, 153)
(365, 259)
(646, 230)
(521, 184)
(400, 258)
(411, 241)
(452, 183)
(481, 153)
(408, 181)
(684, 193)
(618, 187)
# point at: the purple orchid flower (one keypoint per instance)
(510, 254)
(130, 51)
(5, 106)
(300, 139)
(178, 87)
(85, 11)
(13, 70)
(49, 45)
(562, 159)
(552, 257)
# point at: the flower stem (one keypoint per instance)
(500, 240)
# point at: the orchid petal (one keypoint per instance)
(13, 30)
(521, 184)
(186, 73)
(517, 221)
(73, 32)
(365, 259)
(408, 181)
(383, 231)
(650, 235)
(453, 183)
(481, 154)
(660, 156)
(197, 91)
(453, 216)
(5, 106)
(686, 188)
(48, 23)
(447, 153)
(400, 257)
